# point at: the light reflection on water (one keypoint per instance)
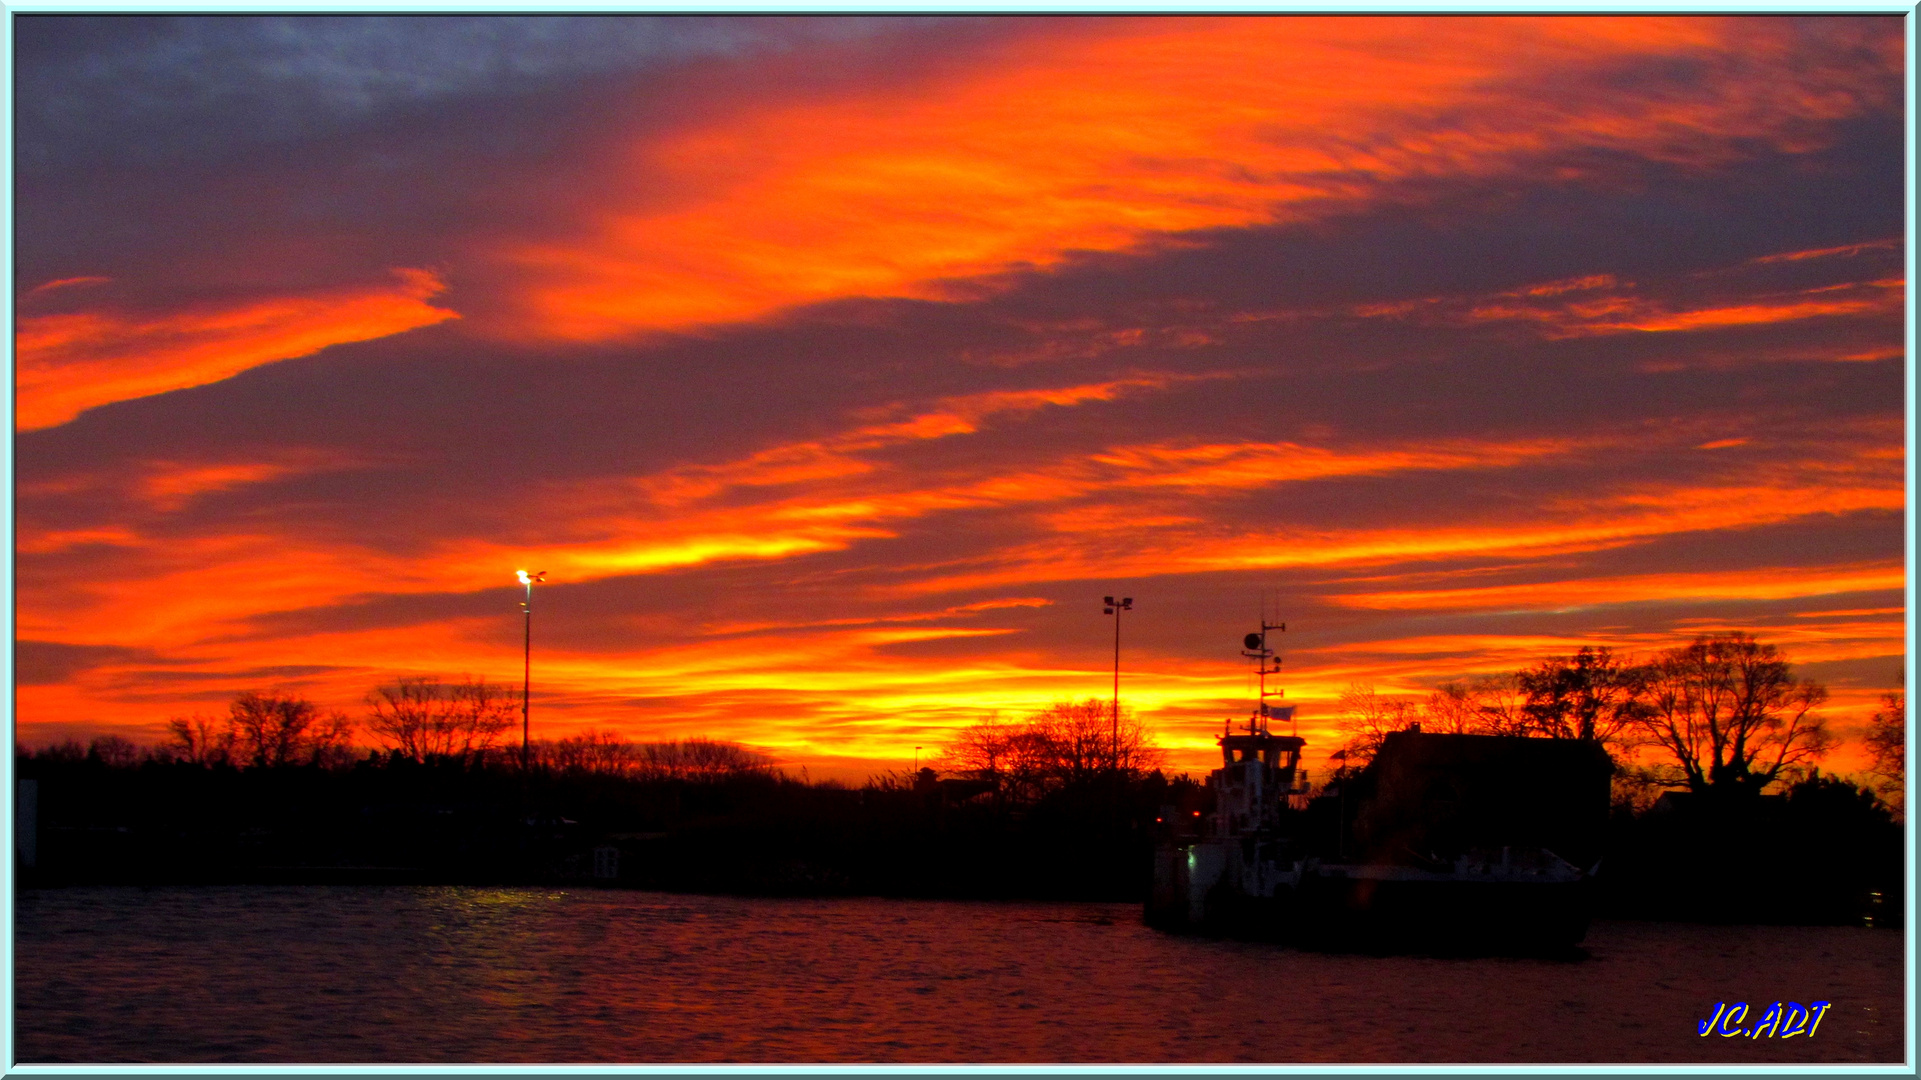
(346, 974)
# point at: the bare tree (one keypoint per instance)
(982, 750)
(1590, 695)
(403, 715)
(479, 712)
(114, 752)
(1074, 739)
(1367, 719)
(267, 728)
(595, 753)
(1485, 705)
(1729, 715)
(198, 740)
(1014, 756)
(1066, 744)
(1887, 739)
(423, 718)
(330, 742)
(700, 760)
(273, 729)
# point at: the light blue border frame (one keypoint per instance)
(1874, 7)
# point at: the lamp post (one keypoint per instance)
(1126, 604)
(527, 671)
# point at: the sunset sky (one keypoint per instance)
(834, 368)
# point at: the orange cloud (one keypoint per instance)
(849, 693)
(67, 283)
(1766, 583)
(1624, 313)
(168, 486)
(1830, 252)
(844, 688)
(855, 498)
(1089, 542)
(68, 363)
(1127, 511)
(1116, 136)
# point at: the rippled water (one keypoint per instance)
(316, 974)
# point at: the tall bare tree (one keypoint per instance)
(1016, 757)
(267, 727)
(422, 717)
(403, 714)
(1367, 719)
(1887, 739)
(198, 740)
(114, 752)
(272, 729)
(1593, 694)
(1483, 705)
(1729, 715)
(1064, 745)
(1074, 739)
(985, 749)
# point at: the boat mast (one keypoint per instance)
(1266, 663)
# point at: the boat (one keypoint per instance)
(1440, 841)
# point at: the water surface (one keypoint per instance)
(409, 974)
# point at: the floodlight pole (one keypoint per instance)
(1126, 604)
(527, 669)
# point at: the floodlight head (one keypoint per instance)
(1127, 601)
(524, 579)
(1108, 600)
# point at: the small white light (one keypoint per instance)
(522, 574)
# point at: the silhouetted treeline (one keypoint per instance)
(1817, 853)
(692, 815)
(1722, 716)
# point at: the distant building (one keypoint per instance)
(26, 823)
(606, 862)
